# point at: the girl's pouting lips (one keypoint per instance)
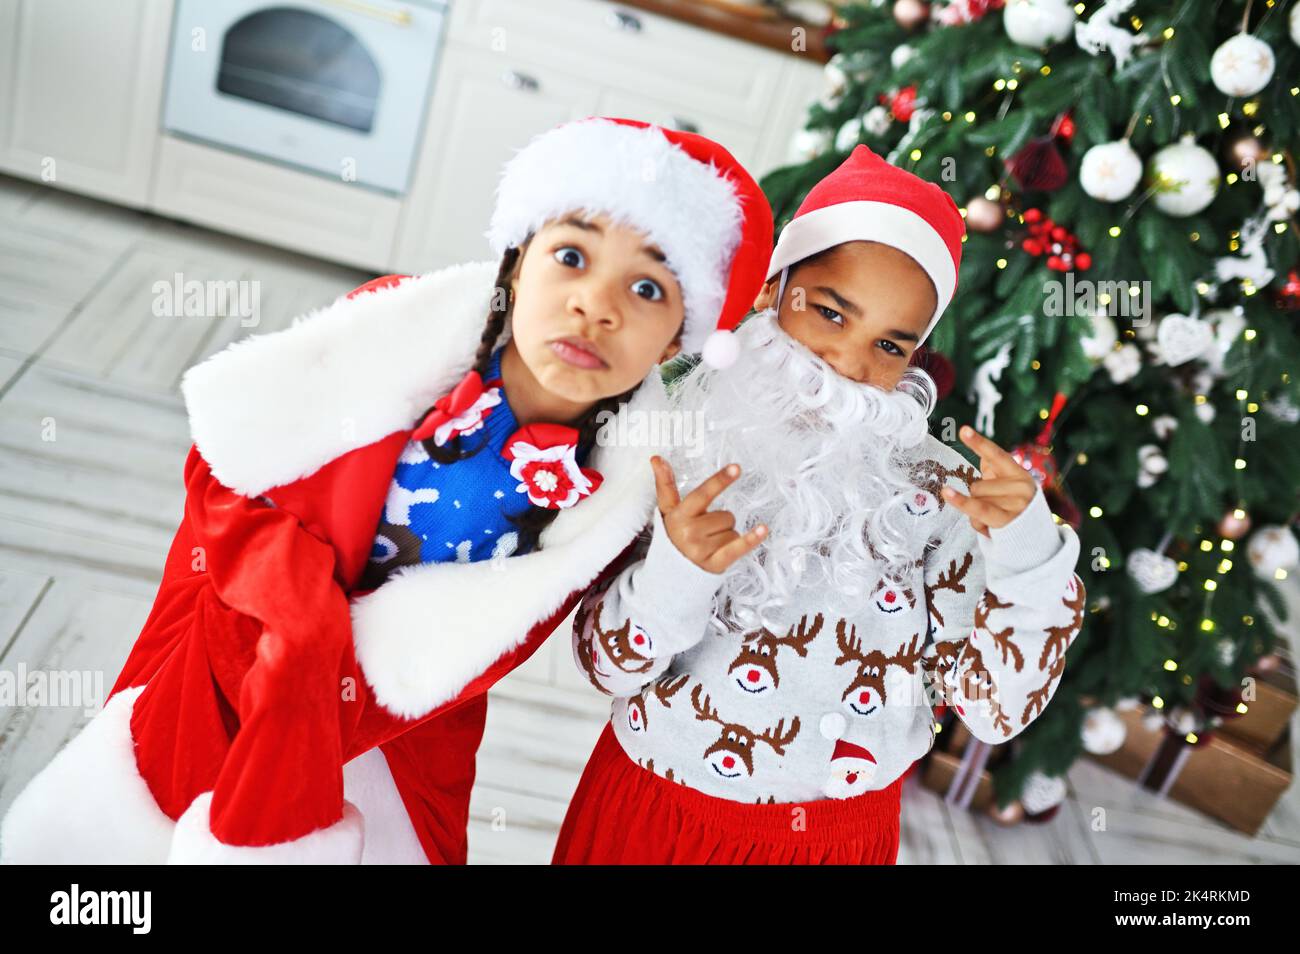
(577, 352)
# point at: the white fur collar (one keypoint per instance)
(273, 408)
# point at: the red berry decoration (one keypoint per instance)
(1058, 243)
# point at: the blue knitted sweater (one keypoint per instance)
(453, 512)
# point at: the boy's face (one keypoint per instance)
(586, 278)
(861, 307)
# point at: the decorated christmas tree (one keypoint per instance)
(1126, 311)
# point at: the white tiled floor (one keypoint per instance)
(86, 519)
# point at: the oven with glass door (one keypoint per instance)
(337, 87)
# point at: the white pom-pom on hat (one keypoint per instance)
(720, 349)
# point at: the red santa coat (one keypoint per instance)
(264, 689)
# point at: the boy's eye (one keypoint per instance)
(891, 347)
(830, 315)
(648, 289)
(570, 256)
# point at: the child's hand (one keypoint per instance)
(705, 537)
(1003, 491)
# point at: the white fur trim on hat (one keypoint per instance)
(639, 178)
(870, 221)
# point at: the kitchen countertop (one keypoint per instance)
(774, 33)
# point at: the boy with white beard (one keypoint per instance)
(775, 663)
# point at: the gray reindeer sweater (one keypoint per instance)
(825, 706)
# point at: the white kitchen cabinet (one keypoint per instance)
(271, 203)
(514, 68)
(484, 108)
(82, 85)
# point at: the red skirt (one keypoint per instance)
(624, 814)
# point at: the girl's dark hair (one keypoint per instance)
(531, 522)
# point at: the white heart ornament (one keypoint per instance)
(1153, 572)
(1182, 339)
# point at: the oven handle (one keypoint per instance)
(400, 18)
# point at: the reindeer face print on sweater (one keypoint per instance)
(866, 691)
(754, 670)
(731, 755)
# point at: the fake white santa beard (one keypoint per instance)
(823, 464)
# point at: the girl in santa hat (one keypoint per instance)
(390, 505)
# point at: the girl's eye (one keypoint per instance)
(648, 289)
(830, 315)
(891, 347)
(570, 256)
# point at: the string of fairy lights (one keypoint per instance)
(1008, 86)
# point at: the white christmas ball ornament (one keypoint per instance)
(1271, 549)
(834, 83)
(1103, 732)
(1103, 338)
(1038, 23)
(1110, 171)
(1293, 24)
(1242, 65)
(808, 144)
(720, 349)
(876, 120)
(1042, 792)
(1185, 178)
(849, 135)
(902, 53)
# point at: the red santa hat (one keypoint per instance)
(868, 199)
(844, 749)
(684, 191)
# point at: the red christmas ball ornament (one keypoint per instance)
(1287, 298)
(1039, 460)
(1038, 166)
(1064, 128)
(902, 103)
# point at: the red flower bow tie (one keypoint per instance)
(543, 458)
(460, 412)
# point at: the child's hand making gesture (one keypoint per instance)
(1003, 491)
(707, 538)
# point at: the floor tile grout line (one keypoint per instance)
(63, 325)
